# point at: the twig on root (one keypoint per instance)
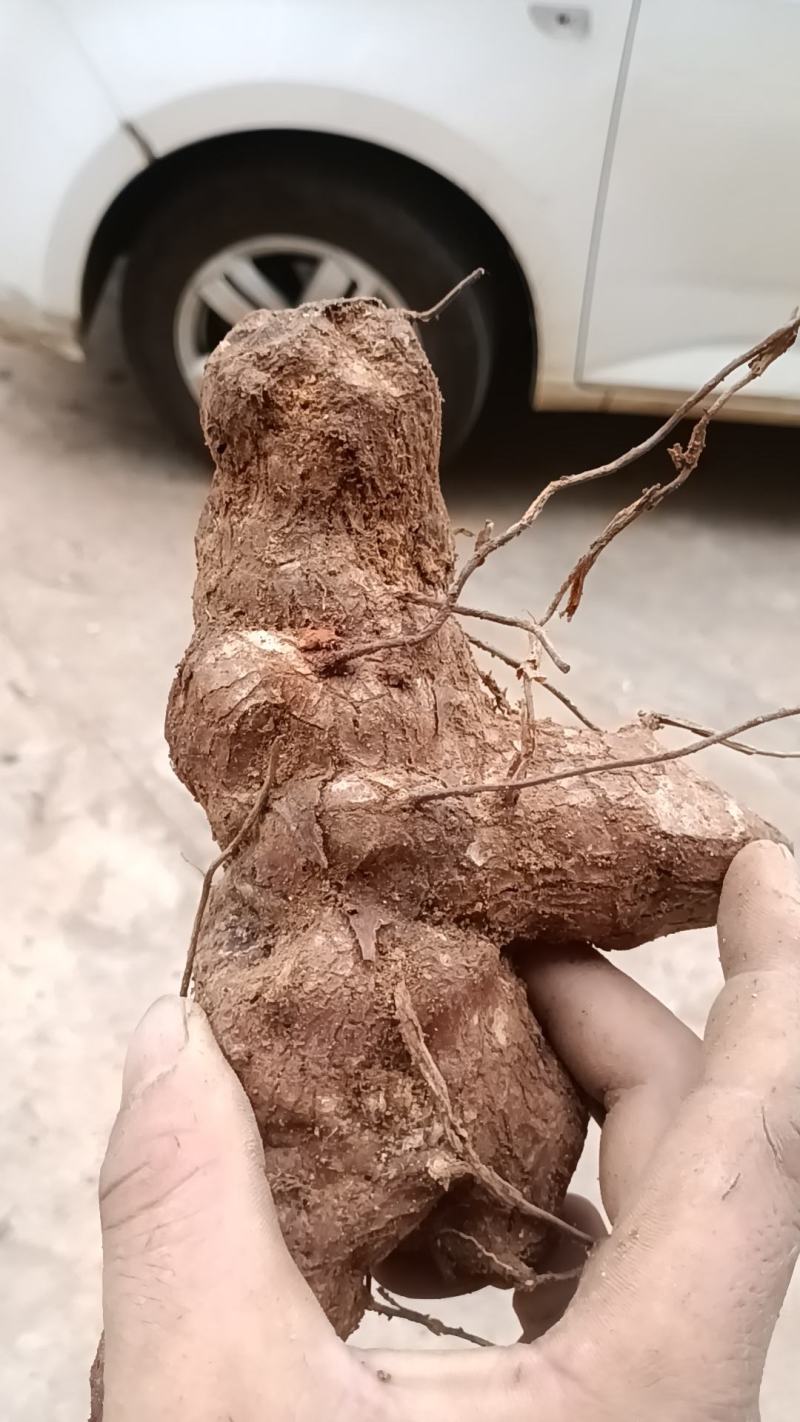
(520, 1277)
(576, 577)
(599, 767)
(244, 829)
(757, 358)
(685, 459)
(444, 611)
(483, 614)
(501, 1190)
(527, 739)
(566, 701)
(434, 311)
(495, 690)
(391, 1308)
(538, 678)
(528, 675)
(528, 678)
(514, 772)
(334, 661)
(653, 720)
(494, 651)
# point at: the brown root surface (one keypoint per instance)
(324, 514)
(352, 960)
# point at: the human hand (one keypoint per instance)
(207, 1318)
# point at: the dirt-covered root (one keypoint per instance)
(359, 1148)
(324, 515)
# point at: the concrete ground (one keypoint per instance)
(694, 611)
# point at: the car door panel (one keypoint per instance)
(698, 239)
(505, 100)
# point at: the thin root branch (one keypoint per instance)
(566, 701)
(244, 829)
(495, 690)
(573, 584)
(527, 745)
(685, 459)
(653, 720)
(528, 678)
(600, 767)
(514, 772)
(494, 652)
(391, 1308)
(756, 359)
(434, 311)
(519, 1277)
(555, 691)
(501, 1190)
(525, 624)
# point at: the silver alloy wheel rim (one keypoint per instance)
(264, 272)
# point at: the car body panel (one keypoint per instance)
(699, 246)
(63, 158)
(416, 78)
(653, 248)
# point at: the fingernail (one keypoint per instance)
(155, 1047)
(785, 850)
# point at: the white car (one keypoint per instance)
(626, 170)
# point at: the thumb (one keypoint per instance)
(691, 1281)
(197, 1282)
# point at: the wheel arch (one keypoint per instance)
(130, 209)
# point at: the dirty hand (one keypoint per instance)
(207, 1318)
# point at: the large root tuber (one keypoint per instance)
(356, 940)
(352, 958)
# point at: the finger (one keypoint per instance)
(758, 924)
(698, 1267)
(559, 1270)
(630, 1054)
(196, 1277)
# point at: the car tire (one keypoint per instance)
(359, 213)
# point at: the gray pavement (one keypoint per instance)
(695, 612)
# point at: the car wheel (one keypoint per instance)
(276, 234)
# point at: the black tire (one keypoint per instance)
(358, 212)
